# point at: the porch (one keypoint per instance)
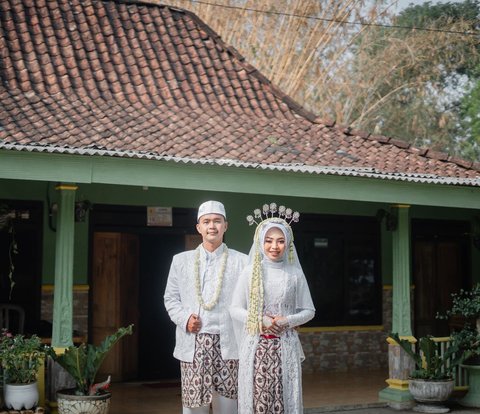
(332, 390)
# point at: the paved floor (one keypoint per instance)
(319, 391)
(338, 393)
(386, 410)
(382, 408)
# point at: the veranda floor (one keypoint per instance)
(319, 390)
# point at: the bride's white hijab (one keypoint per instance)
(258, 260)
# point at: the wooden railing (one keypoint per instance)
(460, 375)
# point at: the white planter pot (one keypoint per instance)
(21, 396)
(69, 403)
(430, 395)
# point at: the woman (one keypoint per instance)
(270, 300)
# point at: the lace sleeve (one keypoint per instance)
(300, 318)
(305, 310)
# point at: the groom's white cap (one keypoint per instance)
(211, 207)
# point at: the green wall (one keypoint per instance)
(238, 207)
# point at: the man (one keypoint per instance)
(197, 298)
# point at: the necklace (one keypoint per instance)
(210, 305)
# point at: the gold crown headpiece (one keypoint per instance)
(271, 210)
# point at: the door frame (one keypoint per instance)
(132, 219)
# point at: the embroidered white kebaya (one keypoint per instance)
(269, 289)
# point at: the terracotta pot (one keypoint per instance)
(69, 403)
(21, 396)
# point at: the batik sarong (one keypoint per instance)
(267, 379)
(208, 372)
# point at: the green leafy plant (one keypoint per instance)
(468, 340)
(429, 362)
(465, 303)
(20, 357)
(82, 362)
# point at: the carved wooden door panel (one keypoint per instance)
(438, 272)
(114, 300)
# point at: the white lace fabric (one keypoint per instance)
(286, 294)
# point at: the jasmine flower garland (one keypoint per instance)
(198, 291)
(255, 307)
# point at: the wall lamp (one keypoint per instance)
(81, 210)
(391, 221)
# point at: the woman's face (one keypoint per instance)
(274, 244)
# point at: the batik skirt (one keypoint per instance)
(267, 377)
(207, 373)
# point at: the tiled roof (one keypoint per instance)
(136, 79)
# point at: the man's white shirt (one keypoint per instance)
(181, 300)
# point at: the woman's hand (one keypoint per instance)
(279, 324)
(266, 324)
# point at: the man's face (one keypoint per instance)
(212, 227)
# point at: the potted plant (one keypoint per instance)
(20, 359)
(82, 363)
(431, 382)
(466, 303)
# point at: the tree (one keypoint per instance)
(442, 115)
(295, 53)
(469, 142)
(417, 89)
(390, 81)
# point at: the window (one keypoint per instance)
(340, 256)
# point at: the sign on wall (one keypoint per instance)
(159, 216)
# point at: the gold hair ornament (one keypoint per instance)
(269, 211)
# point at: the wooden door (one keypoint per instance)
(115, 300)
(157, 331)
(439, 271)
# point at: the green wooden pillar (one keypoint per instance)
(400, 365)
(401, 313)
(63, 289)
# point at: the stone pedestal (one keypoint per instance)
(57, 379)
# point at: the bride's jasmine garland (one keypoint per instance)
(255, 305)
(198, 291)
